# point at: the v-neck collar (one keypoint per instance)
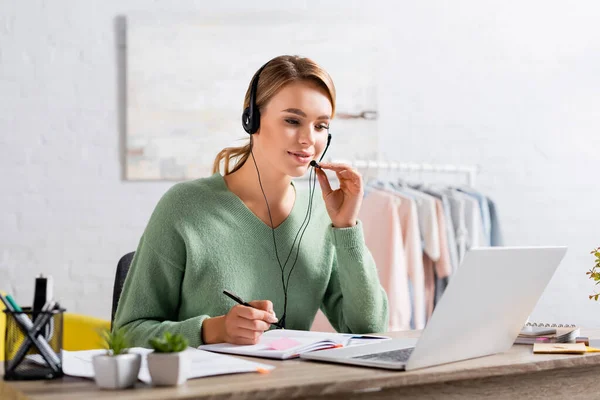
(252, 223)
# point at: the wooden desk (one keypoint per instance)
(513, 375)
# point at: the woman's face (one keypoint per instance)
(293, 128)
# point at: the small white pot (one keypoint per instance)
(116, 372)
(169, 369)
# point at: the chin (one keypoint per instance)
(297, 171)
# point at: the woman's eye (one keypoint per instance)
(321, 127)
(292, 121)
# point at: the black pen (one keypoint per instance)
(239, 300)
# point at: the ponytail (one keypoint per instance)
(241, 155)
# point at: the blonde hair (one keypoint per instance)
(278, 72)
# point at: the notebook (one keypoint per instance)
(283, 344)
(563, 333)
(559, 348)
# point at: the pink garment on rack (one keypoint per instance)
(383, 236)
(443, 266)
(411, 266)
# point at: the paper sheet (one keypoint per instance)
(204, 363)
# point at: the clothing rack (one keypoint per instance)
(470, 171)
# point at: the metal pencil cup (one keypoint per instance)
(33, 344)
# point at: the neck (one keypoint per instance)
(245, 183)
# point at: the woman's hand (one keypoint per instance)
(241, 325)
(342, 204)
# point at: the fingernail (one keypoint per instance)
(272, 319)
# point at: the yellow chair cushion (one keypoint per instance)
(2, 327)
(82, 332)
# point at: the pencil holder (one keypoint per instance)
(33, 344)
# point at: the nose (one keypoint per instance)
(307, 136)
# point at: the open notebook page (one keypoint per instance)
(283, 344)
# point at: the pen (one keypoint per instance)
(239, 300)
(13, 303)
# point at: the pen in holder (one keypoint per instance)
(33, 346)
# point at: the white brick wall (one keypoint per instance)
(513, 88)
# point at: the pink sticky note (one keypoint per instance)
(284, 344)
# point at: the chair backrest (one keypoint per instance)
(121, 274)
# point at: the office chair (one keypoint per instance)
(121, 274)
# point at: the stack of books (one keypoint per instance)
(547, 333)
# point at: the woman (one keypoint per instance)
(242, 231)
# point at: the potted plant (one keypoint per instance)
(594, 273)
(168, 364)
(117, 369)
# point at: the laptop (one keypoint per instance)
(481, 312)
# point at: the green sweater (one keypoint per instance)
(202, 239)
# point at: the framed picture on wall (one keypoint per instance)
(187, 77)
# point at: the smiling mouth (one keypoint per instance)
(301, 157)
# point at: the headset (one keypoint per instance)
(251, 124)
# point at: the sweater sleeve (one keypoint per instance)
(150, 300)
(355, 301)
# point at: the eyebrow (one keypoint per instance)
(302, 113)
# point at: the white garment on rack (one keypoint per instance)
(472, 219)
(428, 223)
(438, 193)
(457, 211)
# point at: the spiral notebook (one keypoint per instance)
(563, 333)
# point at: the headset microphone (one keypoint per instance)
(314, 163)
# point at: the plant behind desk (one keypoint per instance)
(594, 273)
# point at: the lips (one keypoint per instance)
(300, 153)
(301, 157)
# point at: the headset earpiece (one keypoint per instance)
(250, 121)
(251, 114)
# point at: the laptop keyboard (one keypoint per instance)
(401, 356)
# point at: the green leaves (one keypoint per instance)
(116, 342)
(594, 273)
(169, 343)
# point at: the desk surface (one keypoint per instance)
(297, 378)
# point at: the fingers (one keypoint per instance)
(245, 325)
(253, 324)
(245, 336)
(323, 182)
(342, 171)
(336, 166)
(266, 305)
(252, 313)
(345, 174)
